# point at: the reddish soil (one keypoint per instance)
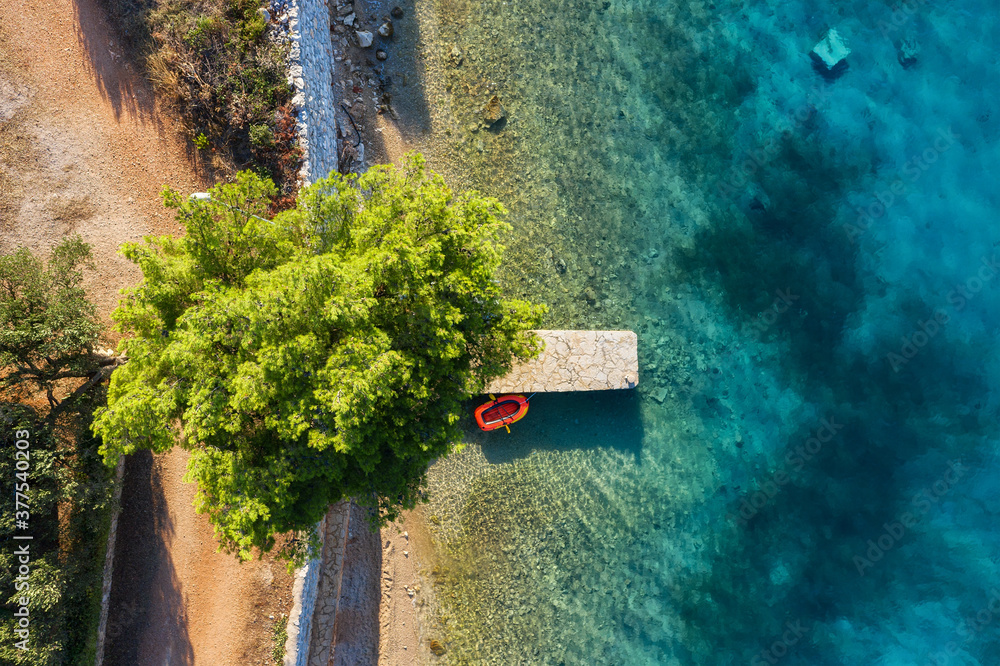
(85, 150)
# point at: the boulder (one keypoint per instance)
(493, 111)
(907, 53)
(830, 55)
(365, 38)
(386, 29)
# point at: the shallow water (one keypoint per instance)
(806, 473)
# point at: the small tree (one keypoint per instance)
(321, 356)
(48, 328)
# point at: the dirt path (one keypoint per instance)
(175, 601)
(84, 150)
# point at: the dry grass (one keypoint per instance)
(14, 146)
(71, 210)
(164, 75)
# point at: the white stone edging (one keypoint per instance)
(109, 562)
(304, 591)
(310, 73)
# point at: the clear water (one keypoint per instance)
(807, 473)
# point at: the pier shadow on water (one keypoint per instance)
(563, 422)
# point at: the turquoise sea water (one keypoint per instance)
(807, 473)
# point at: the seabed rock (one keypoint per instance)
(493, 112)
(830, 55)
(397, 12)
(907, 53)
(386, 29)
(381, 55)
(364, 38)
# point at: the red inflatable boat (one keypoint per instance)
(501, 412)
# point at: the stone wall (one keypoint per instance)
(304, 590)
(576, 361)
(328, 597)
(306, 24)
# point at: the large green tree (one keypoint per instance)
(326, 354)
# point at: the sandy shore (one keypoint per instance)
(385, 595)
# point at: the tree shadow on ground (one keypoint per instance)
(111, 65)
(357, 627)
(564, 422)
(147, 622)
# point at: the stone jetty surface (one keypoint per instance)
(576, 361)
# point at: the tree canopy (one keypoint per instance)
(322, 355)
(48, 328)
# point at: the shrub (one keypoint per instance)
(214, 62)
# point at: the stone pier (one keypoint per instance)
(576, 361)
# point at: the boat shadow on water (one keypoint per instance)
(563, 422)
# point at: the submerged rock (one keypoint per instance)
(397, 12)
(381, 55)
(386, 29)
(493, 111)
(364, 38)
(830, 55)
(907, 53)
(455, 56)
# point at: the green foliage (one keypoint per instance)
(323, 356)
(200, 35)
(68, 545)
(201, 141)
(278, 639)
(47, 327)
(260, 135)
